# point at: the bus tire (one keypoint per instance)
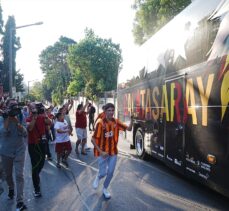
(139, 144)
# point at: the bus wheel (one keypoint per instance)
(139, 144)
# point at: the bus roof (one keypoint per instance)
(173, 35)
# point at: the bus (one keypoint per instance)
(178, 93)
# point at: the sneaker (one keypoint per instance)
(106, 194)
(20, 206)
(1, 188)
(49, 158)
(64, 161)
(11, 194)
(96, 183)
(58, 165)
(37, 194)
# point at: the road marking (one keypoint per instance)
(84, 163)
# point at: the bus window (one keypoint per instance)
(221, 44)
(200, 42)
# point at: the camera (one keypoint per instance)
(40, 108)
(11, 111)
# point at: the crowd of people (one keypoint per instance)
(33, 126)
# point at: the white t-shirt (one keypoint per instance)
(61, 137)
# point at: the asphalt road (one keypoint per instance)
(136, 185)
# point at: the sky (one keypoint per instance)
(108, 18)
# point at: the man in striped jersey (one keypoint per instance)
(105, 140)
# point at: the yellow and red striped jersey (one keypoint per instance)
(106, 135)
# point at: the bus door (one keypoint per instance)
(174, 126)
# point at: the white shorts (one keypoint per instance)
(81, 133)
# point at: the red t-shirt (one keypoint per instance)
(51, 117)
(38, 130)
(81, 120)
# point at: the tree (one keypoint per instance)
(151, 15)
(94, 63)
(1, 49)
(54, 65)
(77, 83)
(36, 92)
(46, 90)
(19, 78)
(10, 28)
(1, 21)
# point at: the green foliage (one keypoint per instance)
(94, 63)
(46, 91)
(57, 98)
(72, 88)
(77, 83)
(36, 92)
(151, 15)
(57, 75)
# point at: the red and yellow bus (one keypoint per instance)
(179, 94)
